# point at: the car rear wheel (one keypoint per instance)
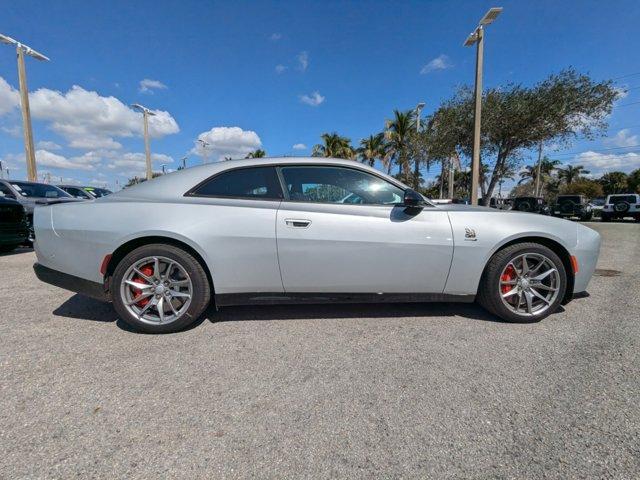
(524, 283)
(160, 289)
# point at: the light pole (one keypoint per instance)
(416, 167)
(21, 50)
(538, 170)
(477, 37)
(184, 162)
(146, 113)
(205, 145)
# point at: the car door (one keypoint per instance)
(341, 230)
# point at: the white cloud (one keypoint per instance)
(274, 37)
(47, 145)
(133, 164)
(598, 163)
(227, 142)
(299, 146)
(9, 97)
(303, 61)
(314, 99)
(280, 69)
(45, 158)
(623, 139)
(90, 121)
(148, 86)
(15, 131)
(441, 62)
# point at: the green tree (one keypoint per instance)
(614, 182)
(633, 181)
(570, 173)
(373, 148)
(334, 146)
(397, 134)
(517, 118)
(256, 154)
(530, 172)
(583, 186)
(135, 180)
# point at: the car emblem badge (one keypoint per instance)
(470, 234)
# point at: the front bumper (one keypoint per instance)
(70, 282)
(587, 251)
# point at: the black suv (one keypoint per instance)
(573, 206)
(530, 204)
(13, 224)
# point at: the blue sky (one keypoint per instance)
(278, 74)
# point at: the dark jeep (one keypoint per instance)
(573, 206)
(530, 204)
(13, 224)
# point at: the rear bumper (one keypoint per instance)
(70, 282)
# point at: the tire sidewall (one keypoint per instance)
(199, 282)
(492, 276)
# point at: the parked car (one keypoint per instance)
(266, 231)
(13, 224)
(499, 203)
(530, 204)
(597, 204)
(621, 206)
(29, 194)
(85, 193)
(568, 206)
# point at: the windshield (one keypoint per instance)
(98, 192)
(39, 190)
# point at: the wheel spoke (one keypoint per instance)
(529, 298)
(138, 285)
(142, 296)
(544, 275)
(542, 286)
(160, 308)
(179, 283)
(146, 307)
(177, 294)
(525, 265)
(541, 297)
(156, 268)
(173, 309)
(518, 274)
(508, 282)
(511, 292)
(167, 272)
(144, 276)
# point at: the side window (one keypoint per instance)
(6, 190)
(256, 183)
(339, 185)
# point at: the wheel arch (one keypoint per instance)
(130, 245)
(554, 246)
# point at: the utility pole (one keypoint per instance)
(21, 50)
(452, 178)
(416, 167)
(477, 38)
(184, 162)
(538, 170)
(146, 113)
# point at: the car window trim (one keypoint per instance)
(191, 191)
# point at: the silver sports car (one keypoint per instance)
(303, 230)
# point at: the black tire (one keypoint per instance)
(8, 248)
(201, 293)
(489, 295)
(605, 217)
(587, 216)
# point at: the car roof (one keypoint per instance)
(176, 184)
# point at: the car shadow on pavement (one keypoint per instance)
(17, 251)
(86, 308)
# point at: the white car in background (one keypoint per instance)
(620, 206)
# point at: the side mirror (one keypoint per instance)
(412, 199)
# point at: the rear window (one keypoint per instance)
(622, 198)
(569, 198)
(248, 183)
(39, 190)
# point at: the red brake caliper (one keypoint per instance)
(148, 271)
(508, 275)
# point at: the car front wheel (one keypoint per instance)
(524, 282)
(159, 289)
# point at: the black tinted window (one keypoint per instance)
(339, 185)
(260, 182)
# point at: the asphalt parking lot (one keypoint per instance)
(345, 391)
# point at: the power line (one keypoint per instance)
(627, 104)
(627, 75)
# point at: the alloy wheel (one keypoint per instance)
(529, 284)
(156, 290)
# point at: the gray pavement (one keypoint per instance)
(355, 391)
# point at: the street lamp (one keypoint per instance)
(184, 162)
(146, 113)
(21, 50)
(477, 37)
(416, 167)
(205, 145)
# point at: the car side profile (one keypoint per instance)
(303, 230)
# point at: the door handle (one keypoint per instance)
(297, 223)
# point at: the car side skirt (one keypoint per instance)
(70, 282)
(228, 299)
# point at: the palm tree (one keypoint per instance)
(256, 154)
(334, 146)
(397, 135)
(570, 174)
(373, 148)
